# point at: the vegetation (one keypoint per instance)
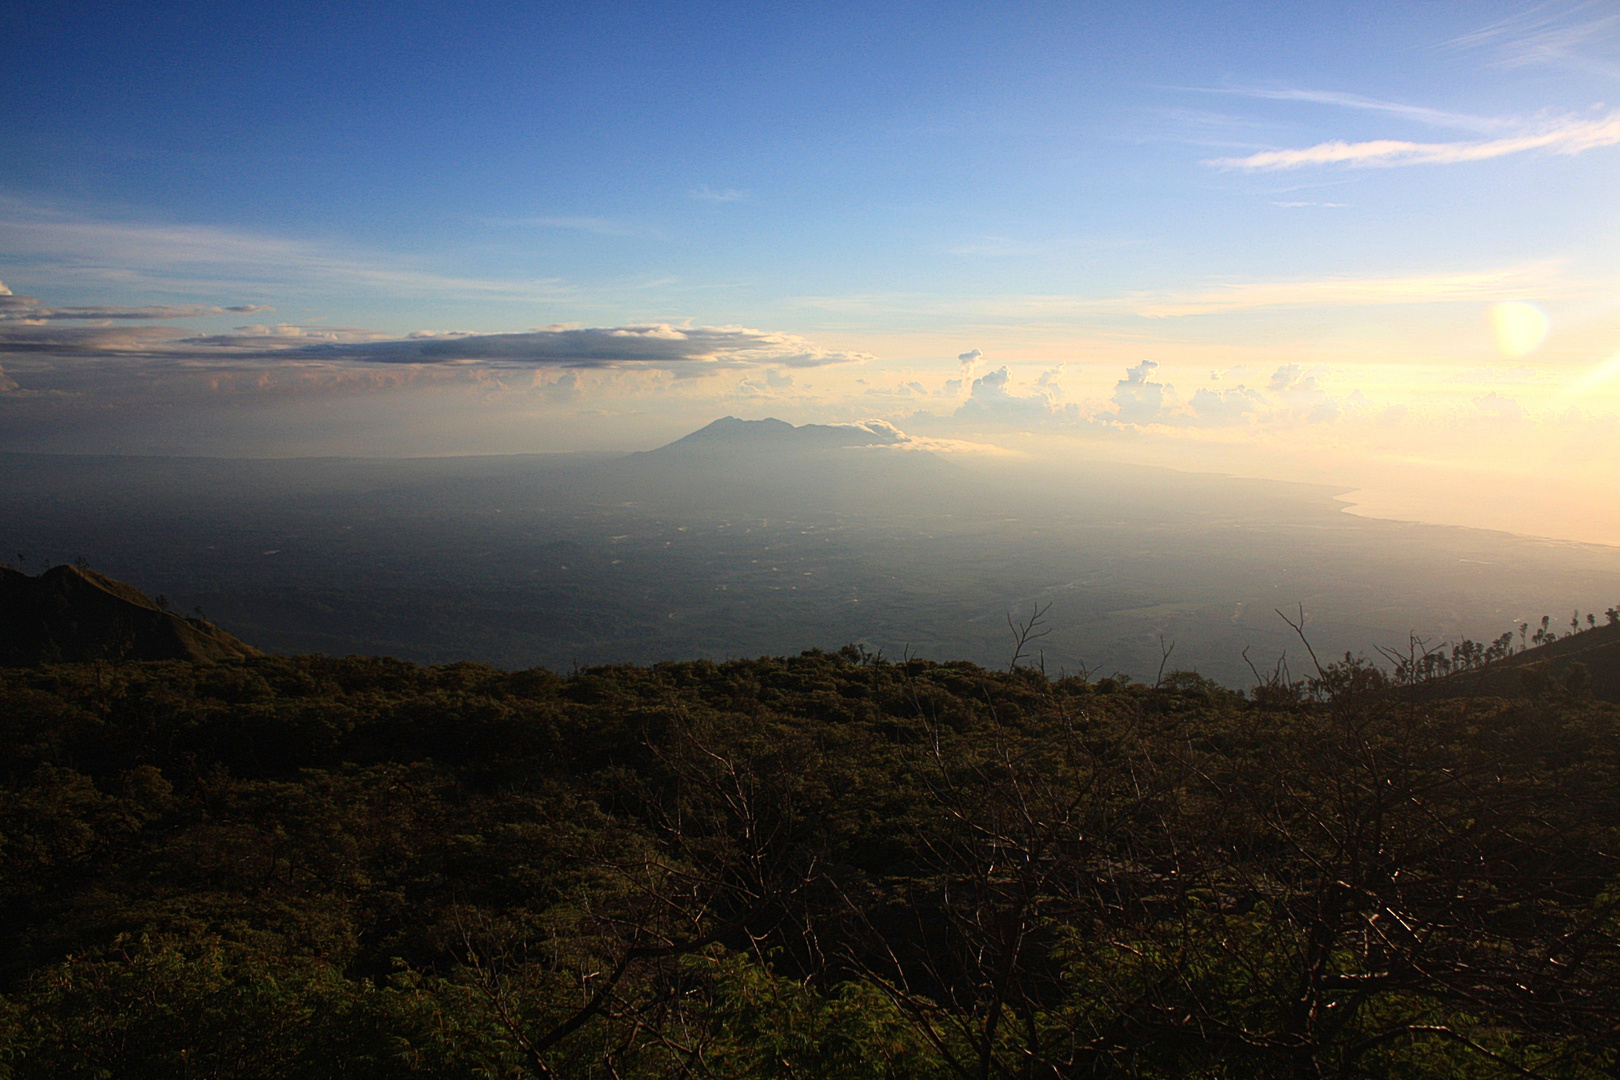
(822, 866)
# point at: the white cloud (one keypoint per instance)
(1140, 400)
(969, 361)
(1291, 377)
(723, 195)
(1221, 407)
(992, 399)
(1498, 407)
(1566, 137)
(597, 226)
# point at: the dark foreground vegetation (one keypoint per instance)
(825, 866)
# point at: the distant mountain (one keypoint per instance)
(72, 614)
(772, 467)
(729, 434)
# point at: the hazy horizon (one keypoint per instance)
(750, 538)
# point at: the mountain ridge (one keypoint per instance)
(72, 614)
(733, 432)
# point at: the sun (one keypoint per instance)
(1519, 327)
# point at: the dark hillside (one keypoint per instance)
(1588, 661)
(69, 613)
(823, 866)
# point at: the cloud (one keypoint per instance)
(1291, 377)
(563, 388)
(1545, 34)
(1301, 396)
(1567, 137)
(992, 399)
(1137, 398)
(1542, 279)
(1292, 396)
(1223, 407)
(66, 244)
(681, 350)
(886, 437)
(1420, 113)
(1352, 292)
(969, 360)
(1498, 407)
(659, 345)
(724, 195)
(597, 226)
(14, 308)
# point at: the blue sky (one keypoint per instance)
(1261, 200)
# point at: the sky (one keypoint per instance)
(1370, 245)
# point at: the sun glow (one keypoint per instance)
(1519, 327)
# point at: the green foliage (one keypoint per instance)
(768, 1026)
(828, 865)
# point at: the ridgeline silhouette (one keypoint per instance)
(71, 613)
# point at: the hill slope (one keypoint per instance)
(1527, 673)
(73, 614)
(824, 866)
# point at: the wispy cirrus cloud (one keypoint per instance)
(596, 226)
(1473, 287)
(66, 244)
(1567, 137)
(1549, 33)
(1540, 279)
(1420, 113)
